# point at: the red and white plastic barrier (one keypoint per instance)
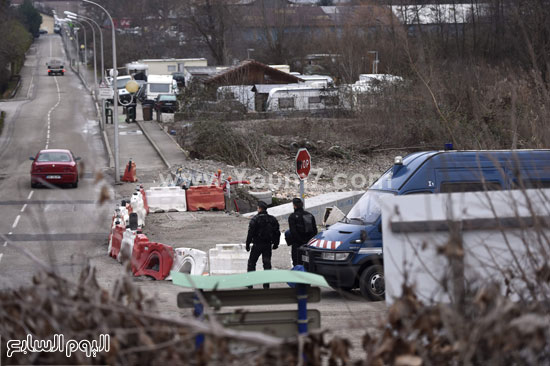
(188, 260)
(115, 239)
(126, 245)
(138, 207)
(143, 197)
(151, 259)
(205, 198)
(163, 199)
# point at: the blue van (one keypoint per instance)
(349, 254)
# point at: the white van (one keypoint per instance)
(160, 84)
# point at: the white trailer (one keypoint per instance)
(302, 98)
(315, 80)
(160, 84)
(167, 66)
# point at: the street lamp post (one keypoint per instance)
(102, 69)
(115, 90)
(85, 43)
(93, 39)
(75, 31)
(248, 50)
(375, 62)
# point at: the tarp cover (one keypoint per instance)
(246, 279)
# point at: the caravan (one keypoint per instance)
(302, 98)
(160, 84)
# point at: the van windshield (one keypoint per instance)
(159, 88)
(121, 83)
(367, 209)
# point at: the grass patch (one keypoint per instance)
(12, 84)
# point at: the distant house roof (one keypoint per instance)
(202, 72)
(276, 14)
(438, 13)
(250, 72)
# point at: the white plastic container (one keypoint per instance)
(191, 261)
(126, 245)
(162, 199)
(228, 259)
(138, 207)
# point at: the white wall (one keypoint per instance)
(485, 250)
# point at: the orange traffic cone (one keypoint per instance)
(130, 172)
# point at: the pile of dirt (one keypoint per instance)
(263, 151)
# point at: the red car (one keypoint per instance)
(54, 166)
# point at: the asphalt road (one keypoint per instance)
(62, 227)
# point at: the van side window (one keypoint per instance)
(531, 183)
(448, 187)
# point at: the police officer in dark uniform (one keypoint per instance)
(264, 234)
(302, 228)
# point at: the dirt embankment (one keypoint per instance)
(345, 155)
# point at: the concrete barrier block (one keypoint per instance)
(317, 205)
(265, 196)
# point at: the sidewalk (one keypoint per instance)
(145, 143)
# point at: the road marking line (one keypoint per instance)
(5, 243)
(16, 221)
(30, 195)
(2, 254)
(29, 92)
(24, 207)
(51, 110)
(10, 233)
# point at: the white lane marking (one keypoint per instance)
(16, 222)
(50, 47)
(6, 242)
(51, 110)
(24, 207)
(29, 92)
(1, 254)
(30, 195)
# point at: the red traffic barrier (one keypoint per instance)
(205, 198)
(151, 259)
(116, 239)
(130, 172)
(144, 198)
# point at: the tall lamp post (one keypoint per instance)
(115, 90)
(75, 31)
(375, 62)
(85, 42)
(70, 16)
(102, 69)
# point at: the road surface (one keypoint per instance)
(62, 227)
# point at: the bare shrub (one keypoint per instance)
(83, 310)
(214, 139)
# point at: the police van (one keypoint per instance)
(349, 254)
